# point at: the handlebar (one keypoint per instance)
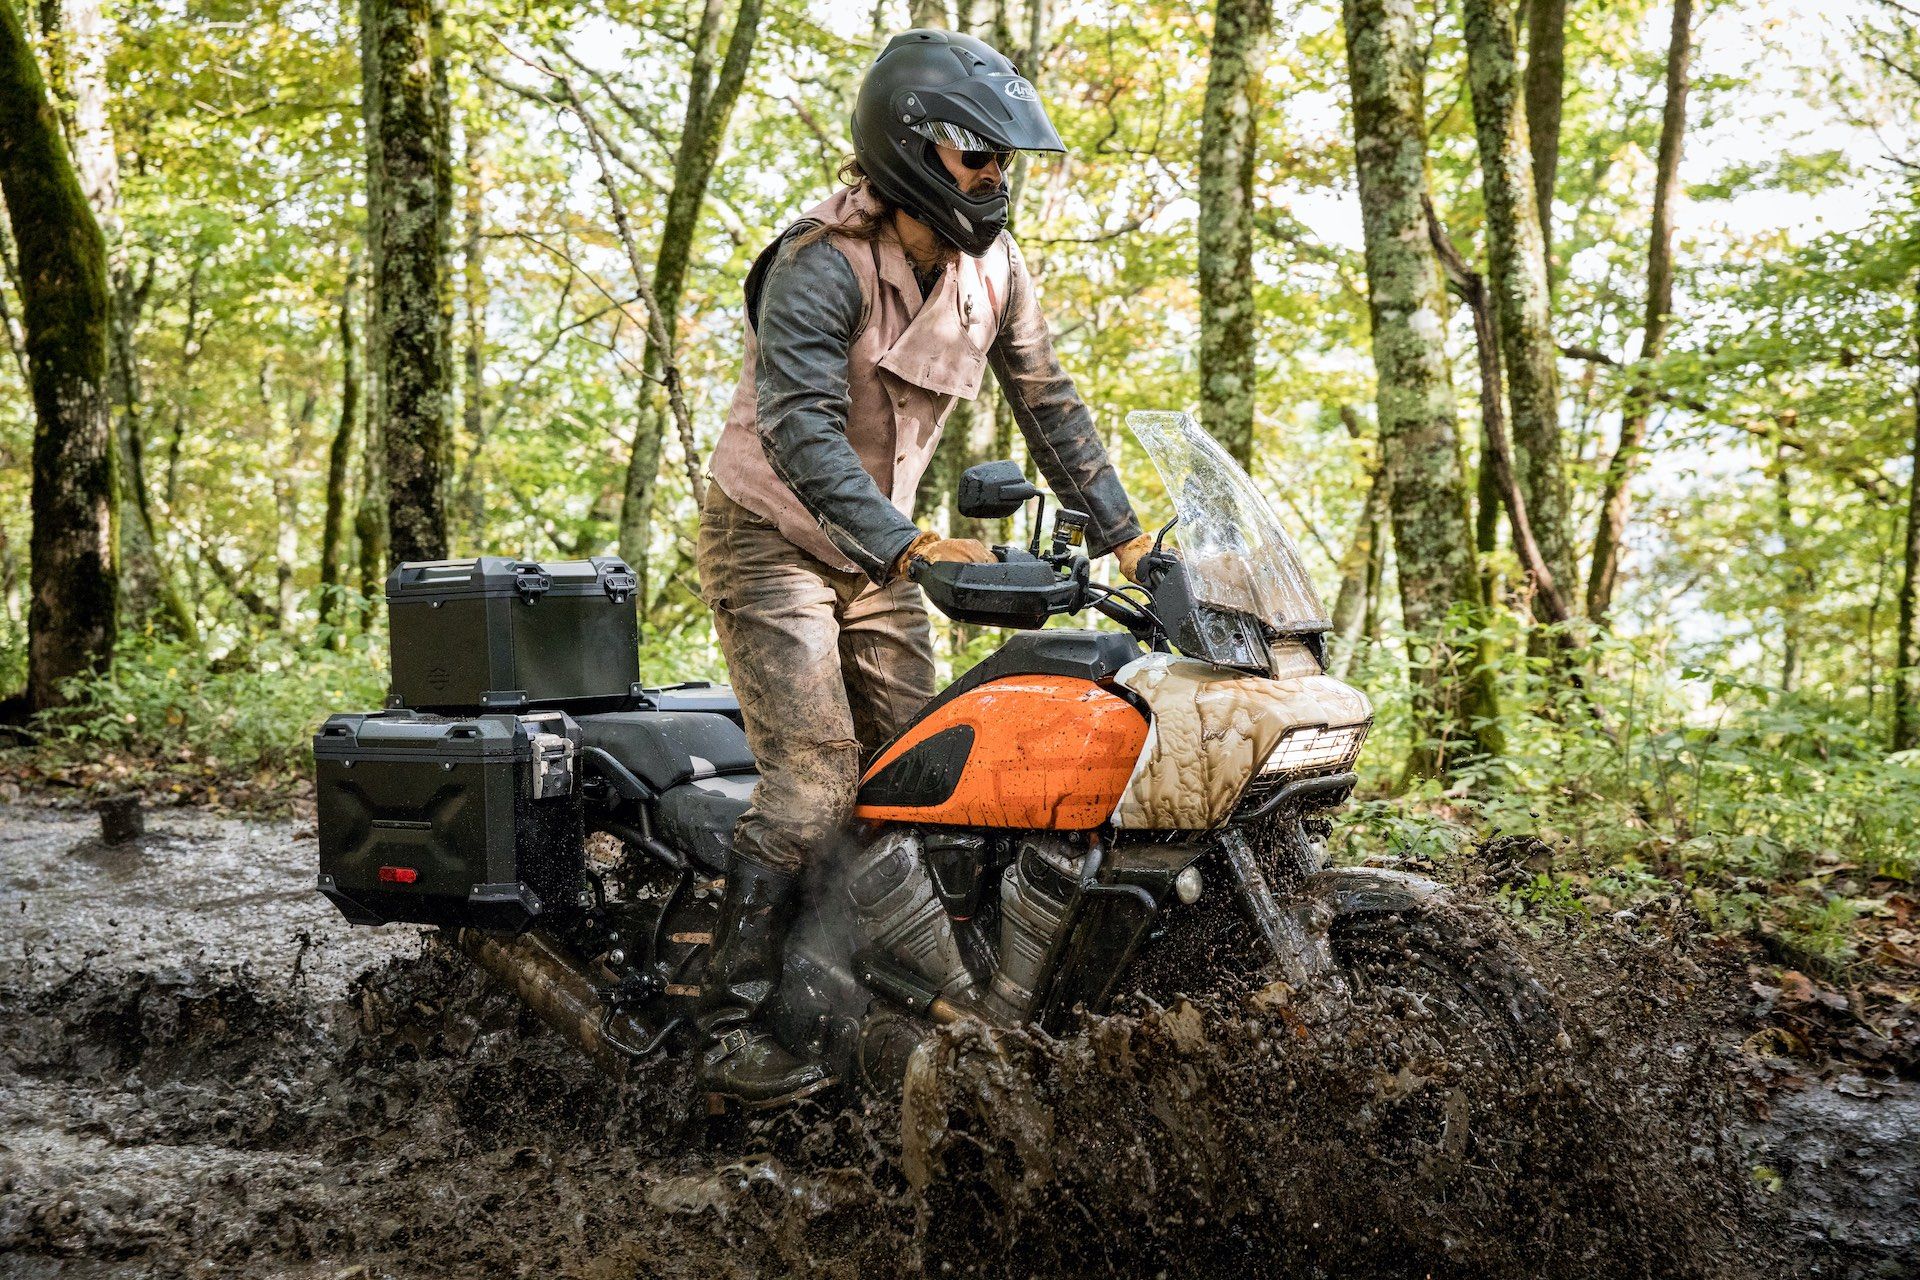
(1022, 589)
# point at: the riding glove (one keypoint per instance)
(1128, 555)
(939, 550)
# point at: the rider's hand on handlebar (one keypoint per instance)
(932, 547)
(1130, 553)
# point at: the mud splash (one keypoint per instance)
(1324, 1136)
(215, 1095)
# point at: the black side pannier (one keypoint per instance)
(472, 822)
(495, 634)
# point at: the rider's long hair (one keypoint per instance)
(861, 226)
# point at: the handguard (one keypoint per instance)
(1020, 591)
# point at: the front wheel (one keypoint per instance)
(1460, 1037)
(1466, 998)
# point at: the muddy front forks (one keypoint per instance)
(1296, 927)
(1295, 931)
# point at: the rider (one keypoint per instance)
(868, 318)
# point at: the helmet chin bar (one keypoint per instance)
(968, 224)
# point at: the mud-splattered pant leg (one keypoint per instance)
(824, 663)
(886, 659)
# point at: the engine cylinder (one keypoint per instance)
(894, 896)
(1034, 893)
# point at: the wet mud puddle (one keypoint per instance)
(203, 1071)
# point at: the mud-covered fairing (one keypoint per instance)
(1213, 727)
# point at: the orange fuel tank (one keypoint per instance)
(1036, 752)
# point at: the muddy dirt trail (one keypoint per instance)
(203, 1071)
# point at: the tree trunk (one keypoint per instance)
(370, 513)
(1031, 59)
(1376, 575)
(929, 13)
(339, 459)
(711, 95)
(1794, 595)
(1229, 329)
(1486, 512)
(473, 280)
(407, 148)
(9, 324)
(1546, 79)
(1455, 710)
(63, 268)
(77, 75)
(370, 529)
(1616, 500)
(1519, 277)
(286, 502)
(1356, 571)
(1906, 674)
(192, 344)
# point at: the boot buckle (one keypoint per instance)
(728, 1043)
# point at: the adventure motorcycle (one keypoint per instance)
(1084, 813)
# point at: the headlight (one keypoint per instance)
(1315, 748)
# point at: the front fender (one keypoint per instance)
(1371, 891)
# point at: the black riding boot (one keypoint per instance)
(743, 1061)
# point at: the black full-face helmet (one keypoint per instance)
(929, 87)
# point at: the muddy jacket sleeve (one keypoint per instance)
(808, 318)
(1055, 420)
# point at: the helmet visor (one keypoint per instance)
(952, 135)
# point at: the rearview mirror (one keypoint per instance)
(994, 490)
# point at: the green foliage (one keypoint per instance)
(258, 708)
(166, 701)
(1764, 805)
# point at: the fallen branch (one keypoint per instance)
(1471, 287)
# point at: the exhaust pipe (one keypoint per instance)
(554, 987)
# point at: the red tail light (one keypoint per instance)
(398, 875)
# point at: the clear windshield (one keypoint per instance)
(1236, 552)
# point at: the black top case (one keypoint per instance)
(495, 634)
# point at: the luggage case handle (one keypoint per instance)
(413, 732)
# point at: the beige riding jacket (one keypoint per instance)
(851, 374)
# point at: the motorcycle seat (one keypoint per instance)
(693, 695)
(667, 749)
(697, 817)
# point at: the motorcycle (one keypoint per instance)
(1085, 813)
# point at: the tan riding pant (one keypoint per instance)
(827, 667)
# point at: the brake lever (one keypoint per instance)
(1157, 563)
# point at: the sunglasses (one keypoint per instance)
(977, 160)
